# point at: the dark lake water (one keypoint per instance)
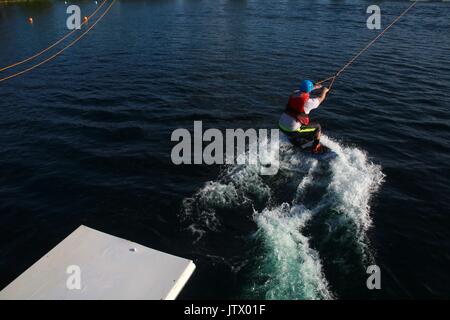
(85, 139)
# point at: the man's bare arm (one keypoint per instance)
(324, 94)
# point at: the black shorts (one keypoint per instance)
(305, 134)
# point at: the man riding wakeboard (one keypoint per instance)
(294, 121)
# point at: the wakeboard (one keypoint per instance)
(306, 148)
(324, 154)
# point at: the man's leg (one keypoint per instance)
(306, 135)
(317, 133)
(311, 131)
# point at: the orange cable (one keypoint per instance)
(56, 43)
(62, 50)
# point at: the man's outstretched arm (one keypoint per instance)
(323, 94)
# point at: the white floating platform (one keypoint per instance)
(110, 268)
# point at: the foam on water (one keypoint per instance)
(291, 268)
(354, 180)
(310, 206)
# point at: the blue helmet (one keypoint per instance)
(306, 86)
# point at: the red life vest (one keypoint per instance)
(296, 107)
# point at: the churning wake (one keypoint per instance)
(305, 234)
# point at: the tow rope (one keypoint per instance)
(338, 73)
